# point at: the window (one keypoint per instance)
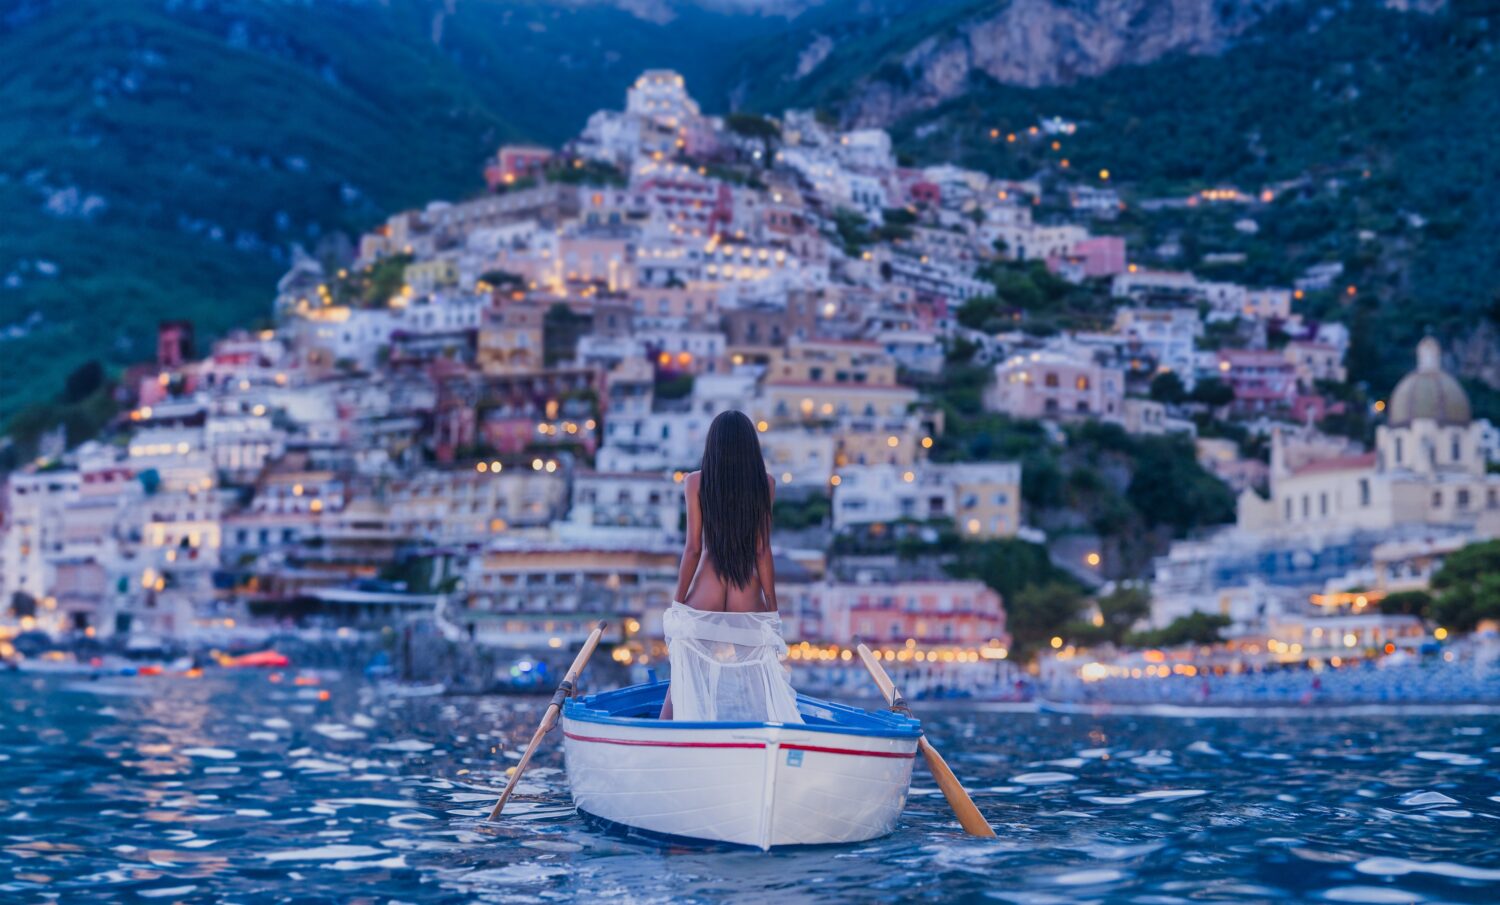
(1364, 491)
(1051, 379)
(1323, 504)
(1437, 499)
(1463, 499)
(1082, 382)
(1398, 451)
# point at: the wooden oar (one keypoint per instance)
(968, 815)
(549, 719)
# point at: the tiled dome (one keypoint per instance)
(1429, 392)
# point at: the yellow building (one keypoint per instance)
(426, 276)
(834, 361)
(510, 339)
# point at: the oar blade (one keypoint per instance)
(549, 718)
(963, 806)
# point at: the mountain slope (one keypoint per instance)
(891, 59)
(1378, 107)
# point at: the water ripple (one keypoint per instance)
(232, 789)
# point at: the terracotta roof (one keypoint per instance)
(1338, 463)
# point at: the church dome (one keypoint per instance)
(1429, 392)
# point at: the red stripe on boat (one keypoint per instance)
(650, 744)
(823, 750)
(647, 743)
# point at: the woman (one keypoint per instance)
(723, 634)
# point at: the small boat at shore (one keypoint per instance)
(841, 776)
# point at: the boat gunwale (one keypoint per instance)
(895, 725)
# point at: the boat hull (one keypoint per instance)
(754, 784)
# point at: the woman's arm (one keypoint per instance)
(765, 564)
(692, 547)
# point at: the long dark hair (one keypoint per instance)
(734, 497)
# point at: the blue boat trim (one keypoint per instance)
(610, 708)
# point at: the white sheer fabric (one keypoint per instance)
(728, 667)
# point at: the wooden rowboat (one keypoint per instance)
(842, 776)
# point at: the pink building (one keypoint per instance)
(1052, 384)
(514, 163)
(1263, 380)
(1099, 256)
(931, 613)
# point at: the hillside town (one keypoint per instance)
(481, 423)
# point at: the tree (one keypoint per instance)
(1213, 392)
(1169, 487)
(983, 312)
(1007, 565)
(1407, 603)
(1194, 628)
(1468, 586)
(499, 277)
(1041, 612)
(1167, 387)
(752, 126)
(1122, 608)
(83, 381)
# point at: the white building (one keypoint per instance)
(1428, 467)
(981, 498)
(1167, 337)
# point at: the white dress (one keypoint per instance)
(728, 667)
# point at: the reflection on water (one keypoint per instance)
(232, 788)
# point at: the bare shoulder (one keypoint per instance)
(771, 483)
(692, 480)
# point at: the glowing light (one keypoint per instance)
(835, 480)
(1092, 559)
(1104, 175)
(762, 426)
(1440, 633)
(1056, 642)
(908, 477)
(893, 441)
(927, 443)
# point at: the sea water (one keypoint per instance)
(235, 788)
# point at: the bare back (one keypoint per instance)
(709, 590)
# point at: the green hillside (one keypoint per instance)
(162, 156)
